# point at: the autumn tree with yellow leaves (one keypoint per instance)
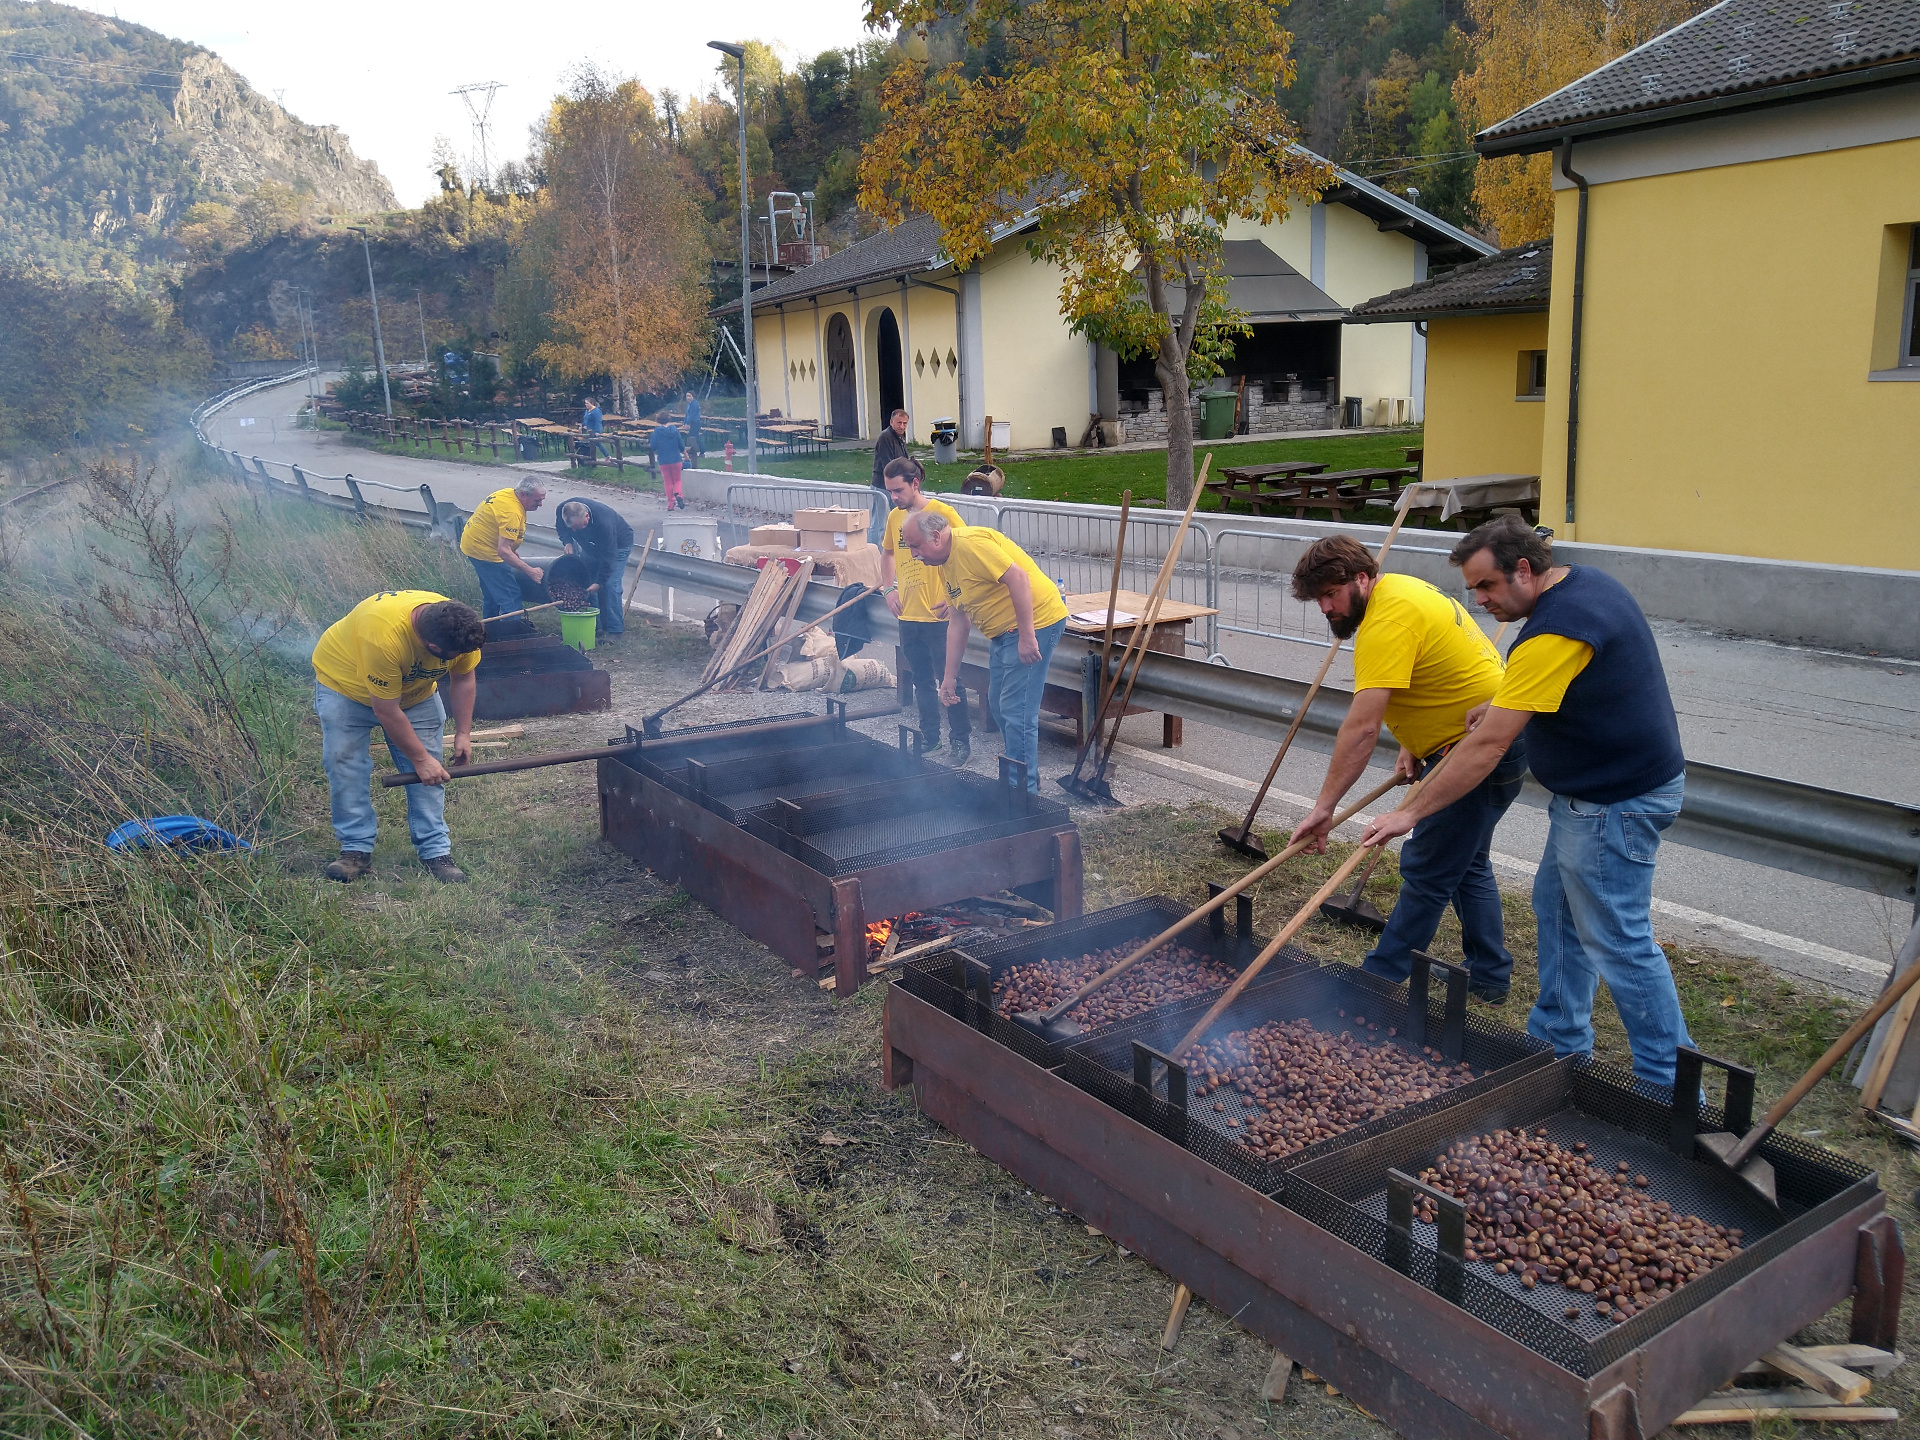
(1134, 131)
(1524, 50)
(627, 281)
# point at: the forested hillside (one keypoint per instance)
(112, 134)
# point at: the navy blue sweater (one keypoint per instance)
(1614, 735)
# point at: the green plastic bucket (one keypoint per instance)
(577, 627)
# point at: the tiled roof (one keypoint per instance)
(1732, 55)
(1511, 282)
(913, 244)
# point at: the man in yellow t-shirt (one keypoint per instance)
(991, 582)
(918, 603)
(382, 664)
(491, 540)
(1420, 663)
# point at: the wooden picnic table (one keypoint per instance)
(1334, 491)
(1249, 481)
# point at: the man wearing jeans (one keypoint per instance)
(891, 446)
(918, 598)
(1420, 664)
(601, 536)
(491, 540)
(382, 664)
(991, 582)
(1584, 680)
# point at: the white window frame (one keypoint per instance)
(1533, 362)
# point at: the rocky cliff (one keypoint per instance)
(110, 131)
(240, 138)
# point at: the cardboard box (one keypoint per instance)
(785, 535)
(840, 540)
(838, 519)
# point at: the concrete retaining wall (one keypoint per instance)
(1836, 607)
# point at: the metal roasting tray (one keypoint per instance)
(883, 824)
(1127, 1066)
(960, 981)
(733, 787)
(1345, 1191)
(734, 740)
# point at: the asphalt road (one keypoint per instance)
(1845, 722)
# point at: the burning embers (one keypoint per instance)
(1172, 973)
(1306, 1085)
(1554, 1214)
(984, 915)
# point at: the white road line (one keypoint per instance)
(1773, 939)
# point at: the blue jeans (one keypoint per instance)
(346, 733)
(1592, 898)
(1445, 861)
(878, 509)
(499, 587)
(613, 614)
(1014, 691)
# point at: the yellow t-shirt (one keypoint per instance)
(1426, 649)
(972, 575)
(372, 651)
(1539, 672)
(920, 587)
(501, 516)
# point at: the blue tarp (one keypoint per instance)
(181, 832)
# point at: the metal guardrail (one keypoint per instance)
(1853, 840)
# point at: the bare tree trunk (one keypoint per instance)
(1174, 386)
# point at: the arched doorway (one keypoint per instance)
(893, 390)
(843, 410)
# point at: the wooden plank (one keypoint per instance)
(1834, 1381)
(1891, 1044)
(1736, 1407)
(1274, 1388)
(1876, 1362)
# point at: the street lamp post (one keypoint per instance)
(379, 348)
(739, 53)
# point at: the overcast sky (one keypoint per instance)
(383, 72)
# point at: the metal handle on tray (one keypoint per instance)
(916, 745)
(1453, 1020)
(697, 776)
(1450, 1222)
(1242, 917)
(1687, 1067)
(1018, 769)
(1145, 1057)
(979, 980)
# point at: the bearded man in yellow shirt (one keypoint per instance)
(917, 598)
(1420, 664)
(991, 582)
(382, 664)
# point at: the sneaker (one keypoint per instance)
(1488, 994)
(959, 753)
(930, 747)
(351, 865)
(442, 868)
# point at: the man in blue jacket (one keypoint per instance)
(601, 536)
(1584, 680)
(694, 447)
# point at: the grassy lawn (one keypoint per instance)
(559, 1152)
(1098, 477)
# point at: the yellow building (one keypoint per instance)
(1734, 341)
(1486, 332)
(888, 322)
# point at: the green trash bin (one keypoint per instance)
(1216, 415)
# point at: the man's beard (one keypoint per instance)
(1343, 626)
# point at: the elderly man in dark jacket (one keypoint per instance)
(601, 536)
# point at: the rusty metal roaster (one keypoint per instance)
(537, 675)
(1313, 1254)
(800, 830)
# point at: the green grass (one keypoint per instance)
(1097, 477)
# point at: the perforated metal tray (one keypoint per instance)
(1126, 1065)
(954, 980)
(1344, 1191)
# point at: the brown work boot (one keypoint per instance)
(351, 865)
(442, 868)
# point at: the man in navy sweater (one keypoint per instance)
(1584, 681)
(601, 536)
